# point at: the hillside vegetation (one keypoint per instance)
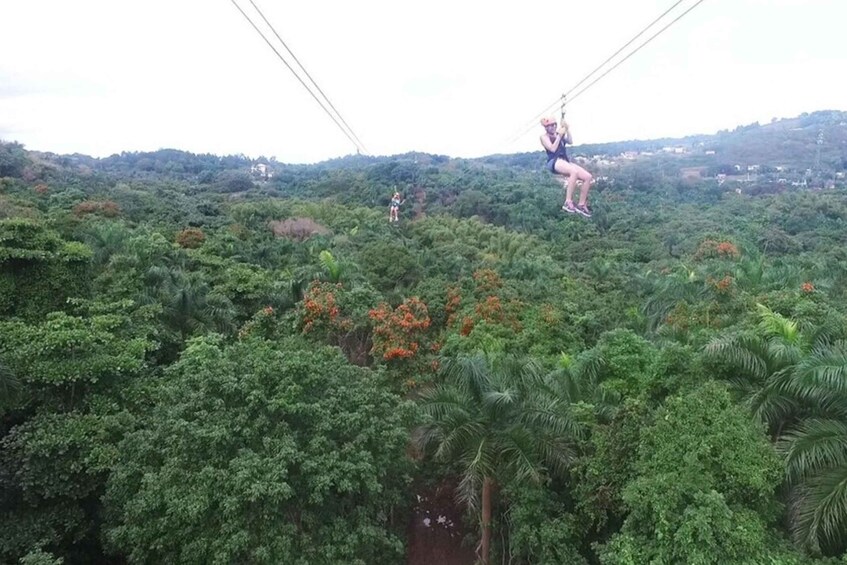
(207, 361)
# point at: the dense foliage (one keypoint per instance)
(199, 364)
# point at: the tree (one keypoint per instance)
(262, 452)
(389, 265)
(702, 491)
(816, 459)
(400, 336)
(765, 367)
(13, 159)
(764, 362)
(671, 292)
(795, 383)
(39, 270)
(234, 181)
(75, 375)
(495, 419)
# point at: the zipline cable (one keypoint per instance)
(296, 60)
(612, 56)
(636, 50)
(359, 147)
(552, 105)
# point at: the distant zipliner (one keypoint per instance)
(555, 141)
(394, 208)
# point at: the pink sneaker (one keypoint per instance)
(583, 209)
(569, 208)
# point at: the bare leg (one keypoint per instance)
(586, 179)
(570, 170)
(571, 187)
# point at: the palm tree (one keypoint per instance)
(765, 361)
(106, 239)
(188, 303)
(796, 383)
(816, 450)
(816, 459)
(333, 268)
(497, 418)
(683, 285)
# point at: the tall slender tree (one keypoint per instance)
(496, 418)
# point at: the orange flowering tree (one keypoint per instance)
(105, 208)
(397, 333)
(723, 285)
(720, 249)
(338, 315)
(320, 314)
(454, 302)
(401, 339)
(190, 238)
(487, 318)
(487, 281)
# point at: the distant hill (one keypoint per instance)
(792, 142)
(816, 140)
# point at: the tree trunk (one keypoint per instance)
(486, 521)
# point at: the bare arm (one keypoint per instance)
(562, 134)
(551, 146)
(566, 132)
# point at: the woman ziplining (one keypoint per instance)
(555, 141)
(394, 208)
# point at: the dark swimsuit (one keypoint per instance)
(560, 153)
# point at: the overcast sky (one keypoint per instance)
(455, 77)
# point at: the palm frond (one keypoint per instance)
(771, 406)
(478, 463)
(774, 324)
(819, 511)
(500, 399)
(590, 370)
(427, 435)
(462, 435)
(815, 445)
(333, 268)
(563, 383)
(747, 353)
(471, 374)
(468, 489)
(442, 394)
(783, 354)
(556, 452)
(825, 368)
(518, 450)
(551, 418)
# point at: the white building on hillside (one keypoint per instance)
(261, 170)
